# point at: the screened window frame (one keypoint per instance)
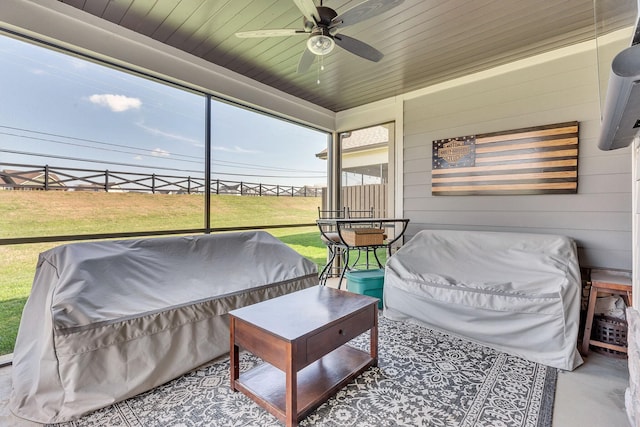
(209, 98)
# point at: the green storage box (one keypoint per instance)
(366, 282)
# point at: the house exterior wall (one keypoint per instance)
(365, 158)
(557, 88)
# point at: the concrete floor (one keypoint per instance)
(593, 394)
(590, 396)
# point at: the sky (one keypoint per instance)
(64, 111)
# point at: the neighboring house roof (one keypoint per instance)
(362, 139)
(89, 187)
(21, 178)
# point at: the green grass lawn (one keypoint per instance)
(37, 213)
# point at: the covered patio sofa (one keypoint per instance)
(516, 292)
(108, 320)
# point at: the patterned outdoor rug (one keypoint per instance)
(424, 378)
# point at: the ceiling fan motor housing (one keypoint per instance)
(320, 40)
(326, 14)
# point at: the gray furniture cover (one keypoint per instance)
(108, 320)
(516, 292)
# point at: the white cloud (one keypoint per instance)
(155, 131)
(78, 64)
(159, 152)
(235, 149)
(117, 103)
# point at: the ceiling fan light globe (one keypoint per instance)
(320, 44)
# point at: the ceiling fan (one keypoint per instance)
(322, 25)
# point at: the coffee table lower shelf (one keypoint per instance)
(266, 385)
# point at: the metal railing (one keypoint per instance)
(36, 177)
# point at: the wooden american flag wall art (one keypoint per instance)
(537, 160)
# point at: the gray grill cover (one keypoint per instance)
(516, 292)
(108, 320)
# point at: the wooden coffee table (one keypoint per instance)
(301, 338)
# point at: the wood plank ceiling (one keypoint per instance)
(424, 41)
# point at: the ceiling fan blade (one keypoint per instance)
(308, 9)
(357, 47)
(270, 33)
(306, 59)
(365, 10)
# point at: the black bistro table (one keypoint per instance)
(341, 247)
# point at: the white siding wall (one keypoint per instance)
(636, 223)
(560, 88)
